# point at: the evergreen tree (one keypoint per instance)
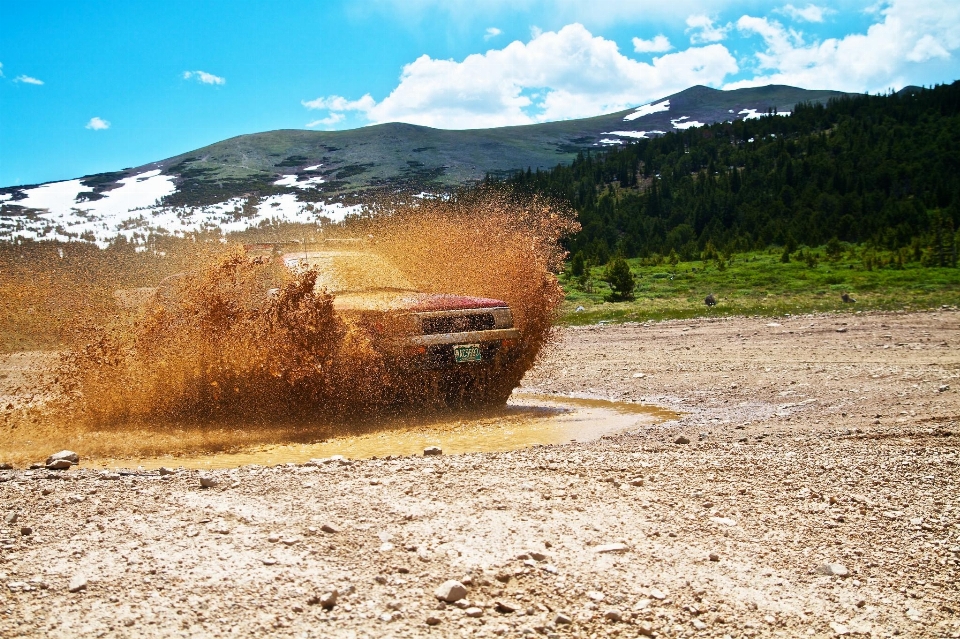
(618, 276)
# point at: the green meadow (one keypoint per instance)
(760, 283)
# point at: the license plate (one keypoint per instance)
(467, 353)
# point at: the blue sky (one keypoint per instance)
(90, 87)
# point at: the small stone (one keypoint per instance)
(613, 615)
(432, 450)
(450, 591)
(834, 570)
(505, 607)
(537, 556)
(26, 530)
(944, 388)
(839, 629)
(699, 625)
(562, 619)
(595, 595)
(657, 594)
(78, 583)
(605, 548)
(11, 518)
(67, 455)
(208, 481)
(474, 612)
(645, 628)
(59, 464)
(386, 547)
(273, 538)
(636, 481)
(329, 528)
(714, 557)
(110, 476)
(6, 466)
(163, 470)
(433, 621)
(681, 440)
(329, 599)
(269, 561)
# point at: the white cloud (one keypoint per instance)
(204, 78)
(704, 30)
(556, 75)
(492, 32)
(659, 44)
(907, 32)
(328, 121)
(98, 124)
(809, 13)
(26, 79)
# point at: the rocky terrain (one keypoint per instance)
(810, 489)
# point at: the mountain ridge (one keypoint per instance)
(302, 175)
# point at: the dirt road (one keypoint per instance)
(819, 495)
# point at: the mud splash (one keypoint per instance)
(526, 420)
(236, 348)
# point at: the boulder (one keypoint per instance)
(68, 455)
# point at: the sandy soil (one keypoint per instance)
(813, 440)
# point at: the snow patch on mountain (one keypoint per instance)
(681, 125)
(59, 210)
(292, 180)
(648, 109)
(640, 135)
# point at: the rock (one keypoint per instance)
(110, 476)
(273, 538)
(432, 450)
(714, 557)
(723, 521)
(269, 561)
(699, 625)
(77, 583)
(433, 621)
(474, 612)
(329, 528)
(208, 481)
(613, 615)
(59, 464)
(163, 470)
(645, 628)
(387, 547)
(611, 548)
(562, 619)
(657, 594)
(505, 607)
(944, 388)
(834, 570)
(11, 518)
(68, 455)
(839, 629)
(327, 600)
(6, 466)
(26, 530)
(537, 556)
(681, 440)
(595, 595)
(450, 591)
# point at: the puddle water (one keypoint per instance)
(525, 421)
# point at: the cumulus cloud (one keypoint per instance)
(809, 13)
(703, 29)
(492, 32)
(26, 79)
(907, 32)
(558, 75)
(329, 121)
(203, 77)
(98, 124)
(659, 44)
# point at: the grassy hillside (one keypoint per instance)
(391, 155)
(760, 283)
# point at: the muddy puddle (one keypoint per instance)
(527, 420)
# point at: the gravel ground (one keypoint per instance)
(817, 496)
